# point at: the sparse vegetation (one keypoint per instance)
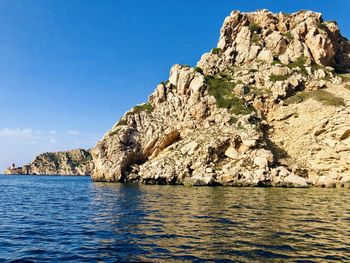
(258, 92)
(216, 50)
(122, 122)
(198, 69)
(316, 66)
(143, 107)
(344, 77)
(275, 78)
(300, 62)
(165, 82)
(255, 38)
(275, 61)
(255, 28)
(225, 76)
(323, 26)
(325, 97)
(232, 120)
(136, 110)
(288, 35)
(347, 86)
(118, 129)
(222, 90)
(240, 126)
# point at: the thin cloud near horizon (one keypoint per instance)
(73, 132)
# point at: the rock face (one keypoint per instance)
(263, 36)
(315, 138)
(183, 137)
(74, 162)
(264, 108)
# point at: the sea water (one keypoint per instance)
(56, 218)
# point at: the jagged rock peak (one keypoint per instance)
(265, 36)
(219, 123)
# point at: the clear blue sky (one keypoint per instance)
(70, 69)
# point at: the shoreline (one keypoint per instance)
(334, 185)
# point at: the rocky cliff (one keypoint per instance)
(268, 107)
(74, 162)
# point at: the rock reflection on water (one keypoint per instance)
(66, 219)
(157, 223)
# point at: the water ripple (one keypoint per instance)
(45, 219)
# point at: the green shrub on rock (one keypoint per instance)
(299, 63)
(122, 122)
(142, 107)
(275, 78)
(216, 50)
(325, 97)
(259, 92)
(232, 120)
(275, 61)
(344, 77)
(136, 110)
(198, 69)
(323, 26)
(288, 35)
(222, 90)
(255, 38)
(255, 28)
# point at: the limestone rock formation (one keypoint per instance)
(265, 108)
(265, 36)
(315, 138)
(181, 136)
(74, 162)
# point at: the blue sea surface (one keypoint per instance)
(56, 219)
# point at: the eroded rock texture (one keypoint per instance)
(263, 36)
(265, 108)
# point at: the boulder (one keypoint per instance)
(293, 180)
